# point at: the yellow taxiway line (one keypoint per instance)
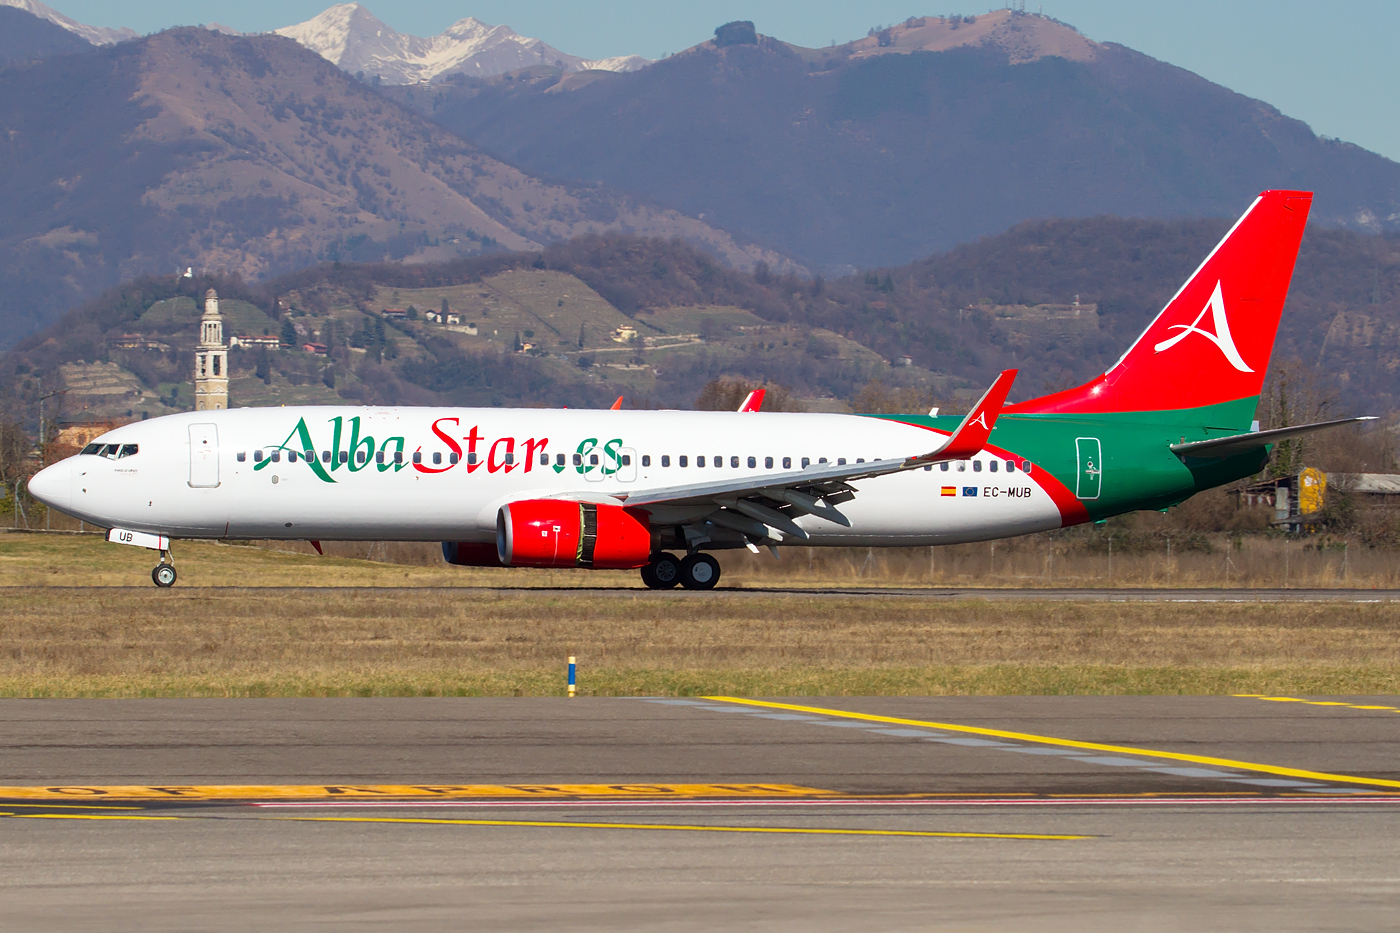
(1259, 696)
(682, 827)
(1070, 743)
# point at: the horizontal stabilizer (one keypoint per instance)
(1243, 443)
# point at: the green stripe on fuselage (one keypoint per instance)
(1139, 470)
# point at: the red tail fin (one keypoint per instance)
(1212, 341)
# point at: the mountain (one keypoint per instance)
(93, 35)
(25, 37)
(930, 134)
(253, 155)
(349, 36)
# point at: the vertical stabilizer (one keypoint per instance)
(1212, 342)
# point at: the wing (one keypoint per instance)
(1254, 440)
(763, 508)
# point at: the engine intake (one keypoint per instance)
(561, 533)
(470, 554)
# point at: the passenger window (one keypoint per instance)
(325, 456)
(699, 461)
(787, 463)
(860, 459)
(471, 458)
(437, 458)
(398, 456)
(840, 461)
(310, 456)
(344, 456)
(719, 462)
(128, 450)
(452, 458)
(1011, 466)
(592, 459)
(977, 466)
(753, 462)
(544, 459)
(558, 459)
(806, 462)
(510, 457)
(626, 459)
(734, 463)
(291, 456)
(682, 460)
(1025, 466)
(962, 466)
(379, 457)
(92, 449)
(928, 467)
(993, 466)
(578, 459)
(768, 463)
(418, 456)
(242, 456)
(646, 460)
(665, 460)
(821, 460)
(360, 456)
(277, 456)
(943, 466)
(257, 456)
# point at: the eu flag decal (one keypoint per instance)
(969, 490)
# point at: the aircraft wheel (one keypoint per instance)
(662, 573)
(163, 575)
(699, 572)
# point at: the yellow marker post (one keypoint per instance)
(571, 676)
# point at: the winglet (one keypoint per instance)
(617, 405)
(971, 436)
(753, 401)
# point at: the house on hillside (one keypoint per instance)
(395, 314)
(317, 348)
(271, 341)
(135, 342)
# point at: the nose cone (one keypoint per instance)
(53, 485)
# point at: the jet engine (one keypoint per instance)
(560, 533)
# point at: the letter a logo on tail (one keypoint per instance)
(1221, 338)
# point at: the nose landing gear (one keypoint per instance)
(163, 575)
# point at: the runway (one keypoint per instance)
(936, 593)
(1148, 813)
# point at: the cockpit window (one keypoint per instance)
(128, 450)
(91, 449)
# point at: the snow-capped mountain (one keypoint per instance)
(350, 36)
(97, 35)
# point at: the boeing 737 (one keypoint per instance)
(660, 490)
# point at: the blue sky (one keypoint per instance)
(1329, 64)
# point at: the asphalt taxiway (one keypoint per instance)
(1148, 813)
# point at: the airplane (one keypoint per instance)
(660, 491)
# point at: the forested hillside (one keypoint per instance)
(587, 320)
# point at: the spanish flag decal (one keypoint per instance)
(950, 490)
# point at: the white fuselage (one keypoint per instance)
(212, 474)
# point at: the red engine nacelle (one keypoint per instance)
(470, 554)
(560, 533)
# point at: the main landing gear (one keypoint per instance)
(163, 575)
(695, 572)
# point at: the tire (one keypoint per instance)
(663, 572)
(699, 572)
(163, 575)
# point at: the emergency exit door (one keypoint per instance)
(1090, 467)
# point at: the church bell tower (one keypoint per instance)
(211, 359)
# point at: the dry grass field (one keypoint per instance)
(378, 629)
